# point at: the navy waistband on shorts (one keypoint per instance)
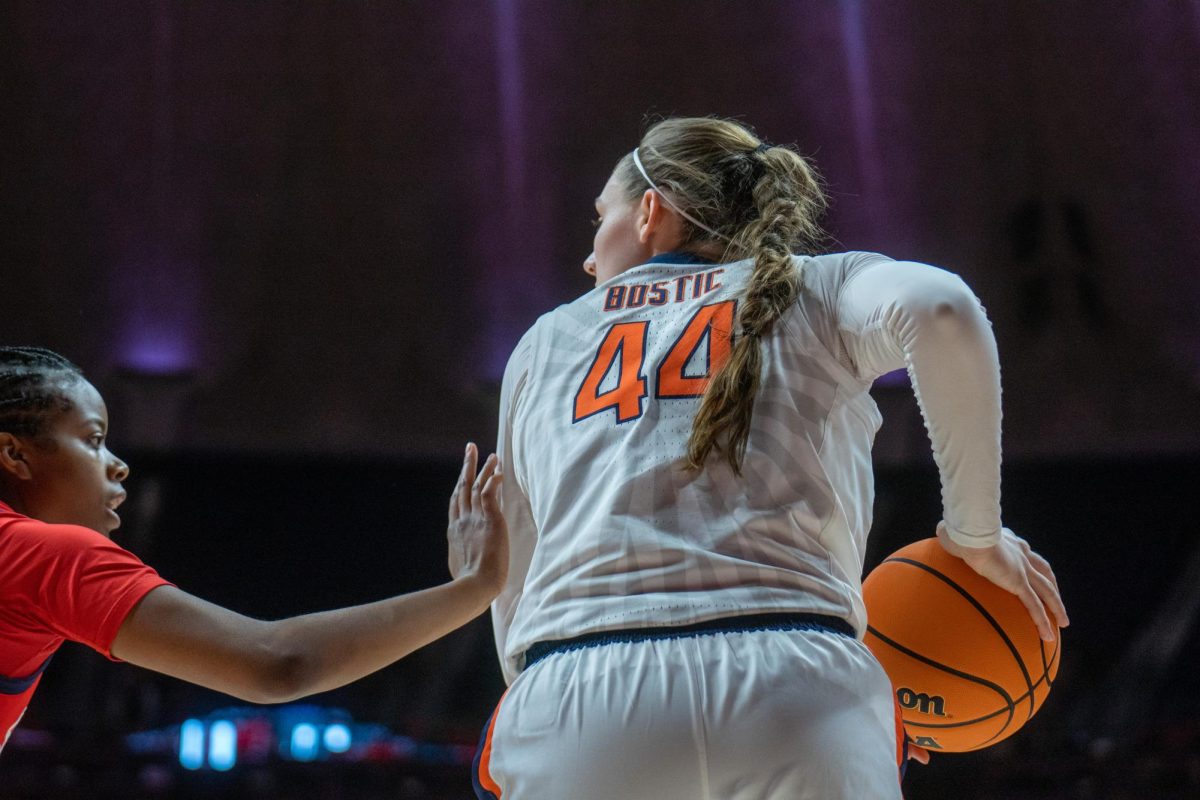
(785, 621)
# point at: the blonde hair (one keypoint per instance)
(761, 201)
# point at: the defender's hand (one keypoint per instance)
(477, 534)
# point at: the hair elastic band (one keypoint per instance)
(637, 161)
(763, 147)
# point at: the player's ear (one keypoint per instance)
(658, 224)
(644, 218)
(13, 463)
(651, 214)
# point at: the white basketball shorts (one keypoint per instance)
(753, 715)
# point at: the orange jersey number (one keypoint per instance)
(717, 321)
(625, 346)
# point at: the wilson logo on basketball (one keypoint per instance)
(922, 702)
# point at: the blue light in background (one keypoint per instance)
(222, 745)
(191, 744)
(304, 742)
(337, 738)
(233, 738)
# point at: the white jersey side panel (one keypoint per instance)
(609, 531)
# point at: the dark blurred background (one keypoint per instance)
(293, 245)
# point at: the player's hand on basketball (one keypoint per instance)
(477, 535)
(1013, 565)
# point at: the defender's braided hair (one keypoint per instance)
(764, 202)
(32, 380)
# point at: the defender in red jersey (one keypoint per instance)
(58, 582)
(61, 578)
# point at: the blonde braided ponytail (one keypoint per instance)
(765, 202)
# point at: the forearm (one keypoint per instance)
(332, 648)
(180, 635)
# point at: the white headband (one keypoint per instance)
(637, 161)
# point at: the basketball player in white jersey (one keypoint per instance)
(689, 491)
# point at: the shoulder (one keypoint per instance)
(18, 532)
(520, 363)
(41, 562)
(25, 542)
(548, 327)
(825, 277)
(837, 268)
(522, 353)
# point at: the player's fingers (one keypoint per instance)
(457, 493)
(1033, 604)
(491, 493)
(484, 475)
(1043, 567)
(467, 479)
(918, 754)
(1050, 597)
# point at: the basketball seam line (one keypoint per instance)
(965, 675)
(1046, 664)
(1045, 677)
(991, 621)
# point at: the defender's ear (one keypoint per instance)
(12, 458)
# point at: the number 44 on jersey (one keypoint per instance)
(624, 349)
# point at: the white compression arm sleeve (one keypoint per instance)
(894, 314)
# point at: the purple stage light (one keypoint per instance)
(512, 118)
(516, 229)
(157, 355)
(158, 304)
(858, 71)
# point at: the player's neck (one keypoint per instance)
(685, 255)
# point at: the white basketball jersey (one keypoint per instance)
(610, 531)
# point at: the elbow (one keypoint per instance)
(950, 310)
(280, 673)
(283, 677)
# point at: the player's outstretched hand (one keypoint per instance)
(477, 535)
(1011, 564)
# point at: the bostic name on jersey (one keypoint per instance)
(659, 293)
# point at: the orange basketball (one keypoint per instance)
(964, 656)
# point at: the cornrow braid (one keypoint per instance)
(32, 380)
(761, 201)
